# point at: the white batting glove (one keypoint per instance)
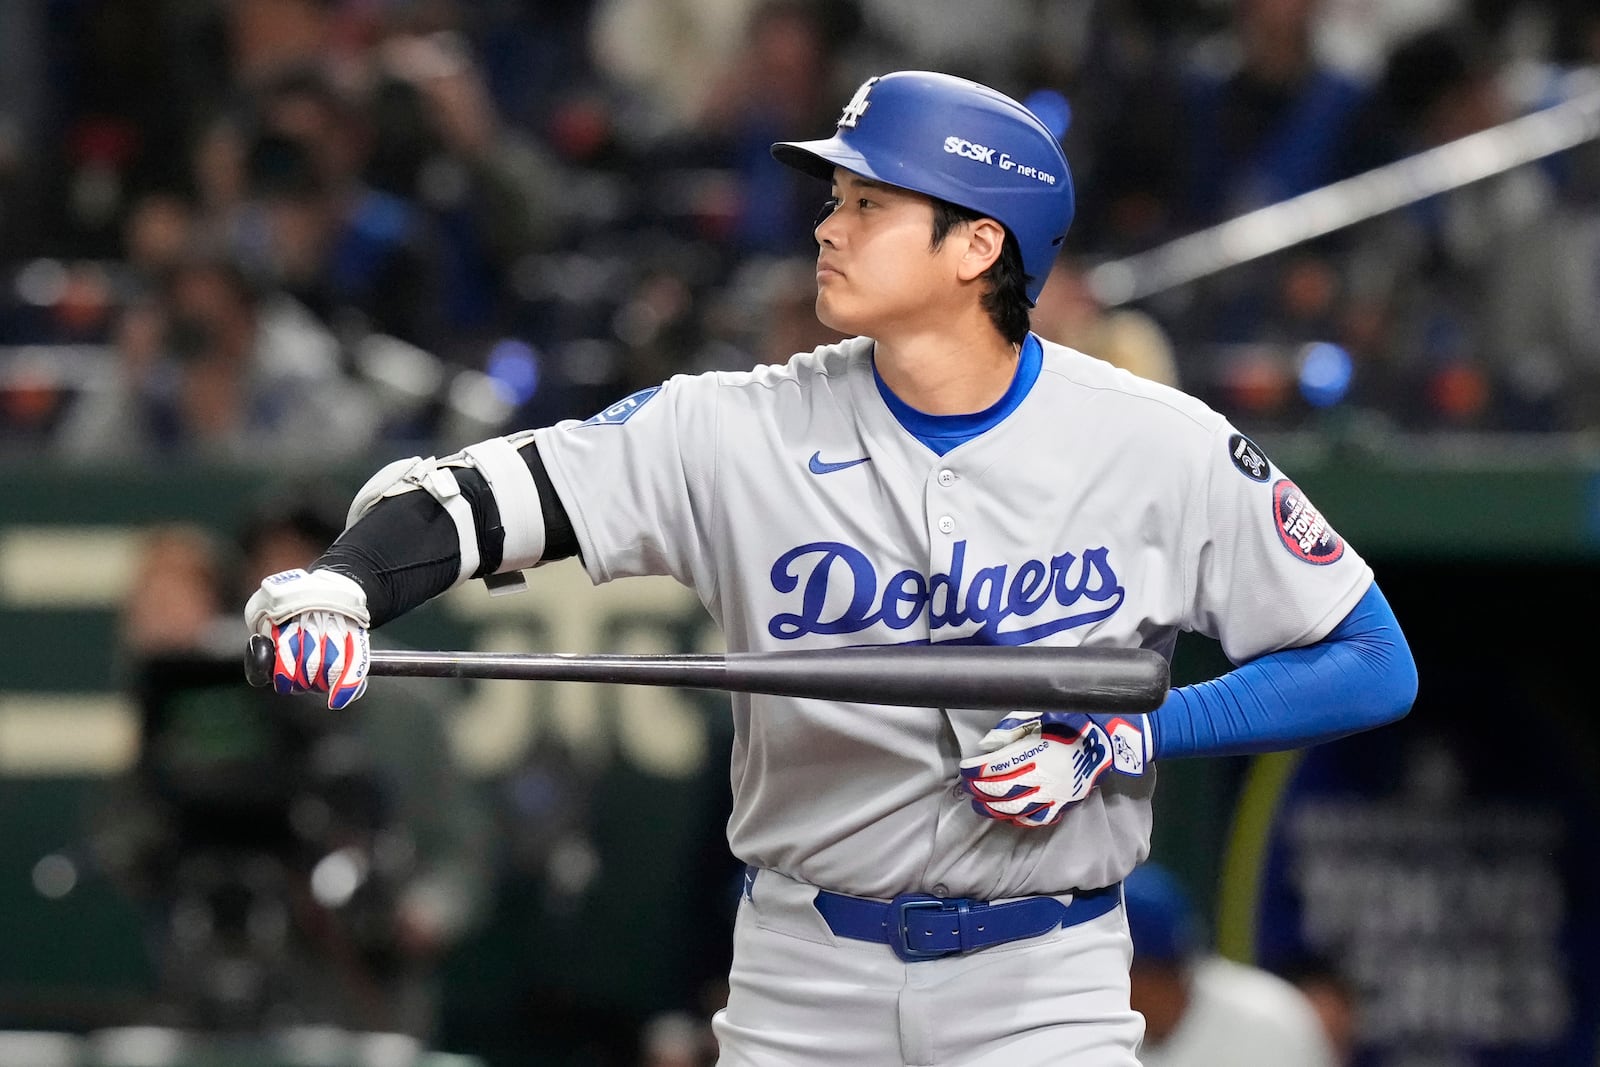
(318, 625)
(1038, 764)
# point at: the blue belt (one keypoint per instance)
(921, 927)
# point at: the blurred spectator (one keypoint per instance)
(362, 260)
(659, 53)
(534, 56)
(1334, 999)
(1575, 38)
(765, 314)
(1266, 119)
(22, 85)
(299, 867)
(1256, 117)
(67, 302)
(678, 1039)
(1069, 314)
(494, 195)
(1356, 36)
(657, 323)
(782, 79)
(1201, 1010)
(130, 78)
(219, 176)
(159, 230)
(1473, 309)
(220, 368)
(1117, 65)
(23, 98)
(178, 604)
(978, 41)
(267, 38)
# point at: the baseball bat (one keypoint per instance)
(1026, 678)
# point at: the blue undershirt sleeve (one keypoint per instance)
(1360, 676)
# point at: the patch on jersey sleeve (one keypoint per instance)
(1301, 526)
(1248, 457)
(622, 410)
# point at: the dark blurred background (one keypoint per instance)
(251, 249)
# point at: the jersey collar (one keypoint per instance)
(941, 433)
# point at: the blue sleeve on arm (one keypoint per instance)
(1360, 676)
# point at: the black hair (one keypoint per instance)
(204, 258)
(1428, 66)
(313, 513)
(282, 167)
(1006, 295)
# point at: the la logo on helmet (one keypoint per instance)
(857, 106)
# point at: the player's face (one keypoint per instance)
(877, 271)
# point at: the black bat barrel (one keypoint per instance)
(1028, 678)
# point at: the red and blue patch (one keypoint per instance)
(1301, 527)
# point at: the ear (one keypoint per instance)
(985, 239)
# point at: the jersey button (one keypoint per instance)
(947, 477)
(940, 889)
(946, 524)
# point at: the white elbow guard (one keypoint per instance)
(515, 494)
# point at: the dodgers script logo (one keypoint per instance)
(1072, 590)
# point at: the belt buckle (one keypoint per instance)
(895, 924)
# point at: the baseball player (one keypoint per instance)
(925, 885)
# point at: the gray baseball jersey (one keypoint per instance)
(1104, 510)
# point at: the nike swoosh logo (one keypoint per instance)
(819, 467)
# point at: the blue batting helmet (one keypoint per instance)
(958, 141)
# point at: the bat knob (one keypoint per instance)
(258, 656)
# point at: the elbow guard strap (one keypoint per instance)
(426, 474)
(516, 496)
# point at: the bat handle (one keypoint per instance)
(258, 656)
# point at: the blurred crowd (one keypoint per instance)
(333, 228)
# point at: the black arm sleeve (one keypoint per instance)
(405, 550)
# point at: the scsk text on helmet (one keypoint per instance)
(960, 146)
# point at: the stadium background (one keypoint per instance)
(538, 207)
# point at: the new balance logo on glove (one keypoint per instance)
(1039, 764)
